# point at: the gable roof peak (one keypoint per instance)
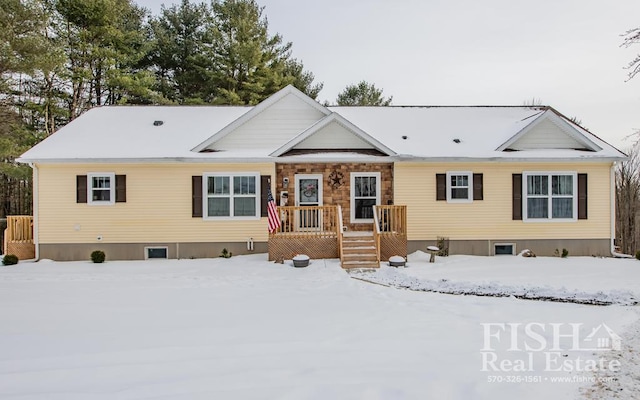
(288, 90)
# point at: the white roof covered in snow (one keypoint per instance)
(287, 120)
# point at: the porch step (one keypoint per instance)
(360, 264)
(359, 250)
(360, 257)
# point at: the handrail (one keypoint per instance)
(376, 232)
(340, 232)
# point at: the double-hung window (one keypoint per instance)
(459, 187)
(101, 188)
(550, 195)
(365, 193)
(232, 195)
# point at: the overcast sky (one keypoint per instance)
(566, 53)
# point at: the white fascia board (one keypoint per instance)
(268, 102)
(586, 160)
(333, 117)
(185, 160)
(310, 158)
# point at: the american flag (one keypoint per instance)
(274, 217)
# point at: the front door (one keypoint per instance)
(309, 193)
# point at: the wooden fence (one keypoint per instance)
(18, 237)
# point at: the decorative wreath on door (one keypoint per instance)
(336, 179)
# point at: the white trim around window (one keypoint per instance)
(549, 196)
(363, 194)
(148, 252)
(459, 184)
(231, 195)
(101, 188)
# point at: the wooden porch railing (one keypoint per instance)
(390, 220)
(390, 231)
(376, 232)
(309, 221)
(19, 231)
(340, 233)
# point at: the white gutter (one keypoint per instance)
(35, 196)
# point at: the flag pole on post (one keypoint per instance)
(272, 210)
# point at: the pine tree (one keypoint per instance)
(250, 63)
(180, 37)
(362, 94)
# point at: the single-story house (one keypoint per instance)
(189, 181)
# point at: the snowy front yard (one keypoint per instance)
(244, 328)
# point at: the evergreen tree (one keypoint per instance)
(103, 42)
(362, 94)
(181, 38)
(250, 63)
(301, 79)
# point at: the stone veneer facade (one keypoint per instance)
(338, 195)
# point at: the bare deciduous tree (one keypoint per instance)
(632, 36)
(628, 202)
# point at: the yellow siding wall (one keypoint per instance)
(415, 186)
(158, 206)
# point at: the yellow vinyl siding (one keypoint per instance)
(491, 218)
(158, 206)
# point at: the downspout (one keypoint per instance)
(612, 180)
(34, 194)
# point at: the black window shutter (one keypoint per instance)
(582, 196)
(517, 196)
(121, 188)
(265, 181)
(81, 188)
(477, 187)
(441, 186)
(196, 196)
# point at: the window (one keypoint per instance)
(365, 193)
(156, 252)
(459, 187)
(504, 248)
(231, 195)
(550, 195)
(101, 188)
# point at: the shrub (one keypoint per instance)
(226, 253)
(98, 256)
(638, 255)
(10, 259)
(565, 253)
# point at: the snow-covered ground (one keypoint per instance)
(244, 328)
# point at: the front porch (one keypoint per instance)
(319, 232)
